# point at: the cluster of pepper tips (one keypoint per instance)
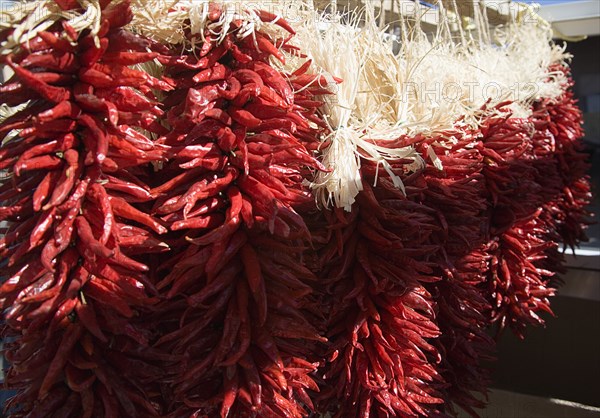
(165, 256)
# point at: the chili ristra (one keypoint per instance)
(74, 284)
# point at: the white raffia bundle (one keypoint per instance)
(335, 50)
(448, 79)
(359, 112)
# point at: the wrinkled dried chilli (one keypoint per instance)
(72, 290)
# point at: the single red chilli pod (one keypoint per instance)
(174, 182)
(70, 337)
(266, 46)
(220, 233)
(128, 58)
(230, 377)
(247, 76)
(121, 208)
(42, 191)
(36, 150)
(66, 181)
(319, 80)
(99, 194)
(45, 162)
(231, 90)
(256, 282)
(201, 222)
(137, 192)
(122, 260)
(84, 231)
(189, 151)
(215, 73)
(302, 69)
(87, 317)
(98, 79)
(99, 136)
(50, 93)
(53, 42)
(269, 17)
(42, 226)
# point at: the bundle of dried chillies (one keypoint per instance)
(73, 286)
(237, 303)
(380, 361)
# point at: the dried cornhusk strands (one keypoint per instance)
(347, 52)
(26, 19)
(173, 21)
(342, 184)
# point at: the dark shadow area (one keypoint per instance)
(559, 361)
